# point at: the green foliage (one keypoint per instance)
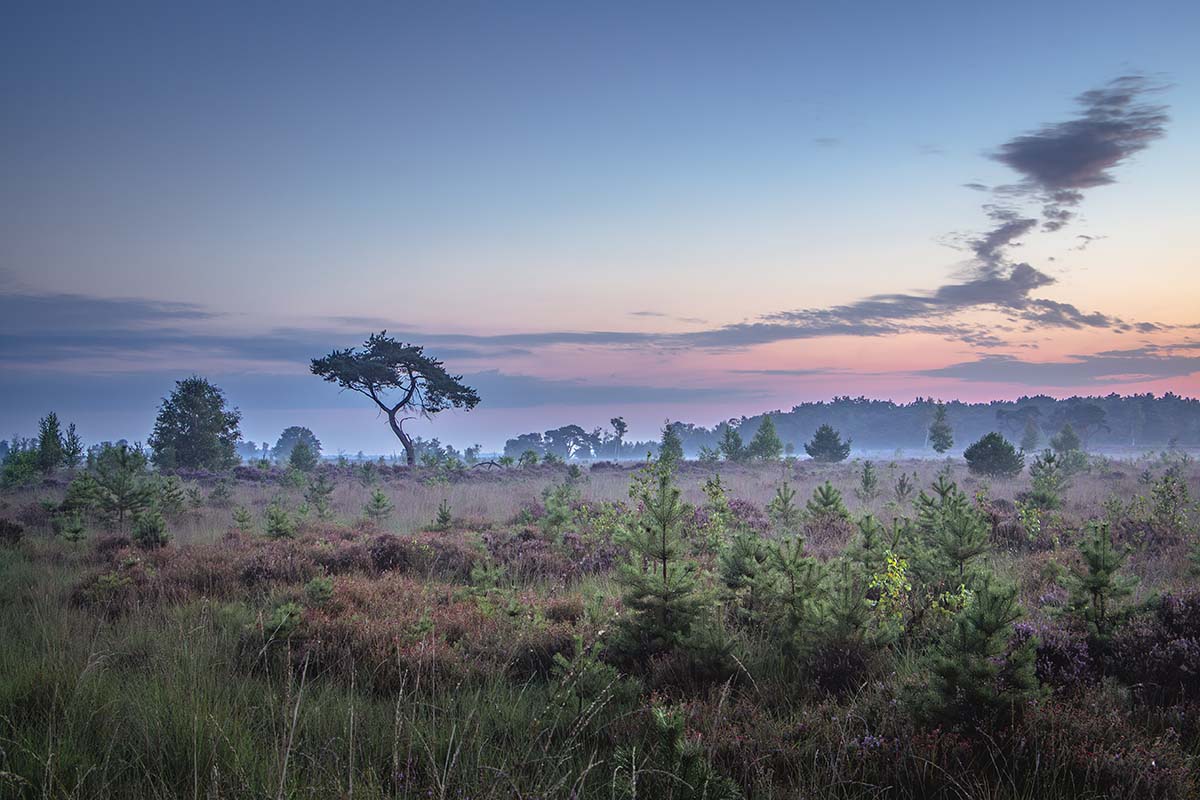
(121, 483)
(1069, 449)
(444, 520)
(71, 527)
(1049, 481)
(731, 445)
(953, 534)
(977, 681)
(292, 436)
(559, 500)
(673, 766)
(385, 365)
(221, 495)
(243, 520)
(21, 466)
(318, 591)
(995, 456)
(658, 583)
(868, 483)
(170, 497)
(827, 503)
(319, 495)
(782, 509)
(827, 446)
(194, 429)
(367, 473)
(279, 523)
(50, 446)
(670, 449)
(905, 486)
(150, 529)
(529, 458)
(941, 435)
(72, 448)
(1098, 587)
(766, 444)
(720, 517)
(302, 457)
(1170, 504)
(796, 592)
(744, 570)
(586, 677)
(379, 507)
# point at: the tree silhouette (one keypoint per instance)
(384, 365)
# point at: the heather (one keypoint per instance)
(673, 628)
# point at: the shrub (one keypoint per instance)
(658, 583)
(279, 523)
(379, 507)
(1098, 588)
(389, 552)
(995, 456)
(150, 529)
(11, 532)
(1049, 481)
(976, 679)
(827, 446)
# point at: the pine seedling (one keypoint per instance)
(379, 507)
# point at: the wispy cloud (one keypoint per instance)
(1059, 161)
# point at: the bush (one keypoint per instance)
(150, 529)
(827, 446)
(11, 532)
(995, 456)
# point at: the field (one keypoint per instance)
(468, 633)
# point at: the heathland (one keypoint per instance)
(780, 628)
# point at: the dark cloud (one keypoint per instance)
(75, 312)
(978, 187)
(1059, 160)
(1115, 366)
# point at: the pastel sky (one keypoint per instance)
(684, 210)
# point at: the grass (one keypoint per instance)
(213, 668)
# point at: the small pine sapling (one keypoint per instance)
(658, 583)
(379, 507)
(279, 523)
(1098, 588)
(868, 483)
(444, 520)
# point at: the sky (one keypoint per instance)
(690, 211)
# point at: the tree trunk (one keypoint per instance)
(410, 454)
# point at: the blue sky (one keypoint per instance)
(231, 189)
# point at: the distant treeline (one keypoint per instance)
(1110, 422)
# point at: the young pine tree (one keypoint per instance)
(746, 573)
(797, 593)
(766, 444)
(319, 494)
(941, 435)
(868, 483)
(783, 511)
(827, 502)
(444, 519)
(658, 583)
(670, 449)
(379, 507)
(1099, 587)
(50, 446)
(731, 445)
(827, 446)
(976, 681)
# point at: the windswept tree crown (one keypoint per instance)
(383, 365)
